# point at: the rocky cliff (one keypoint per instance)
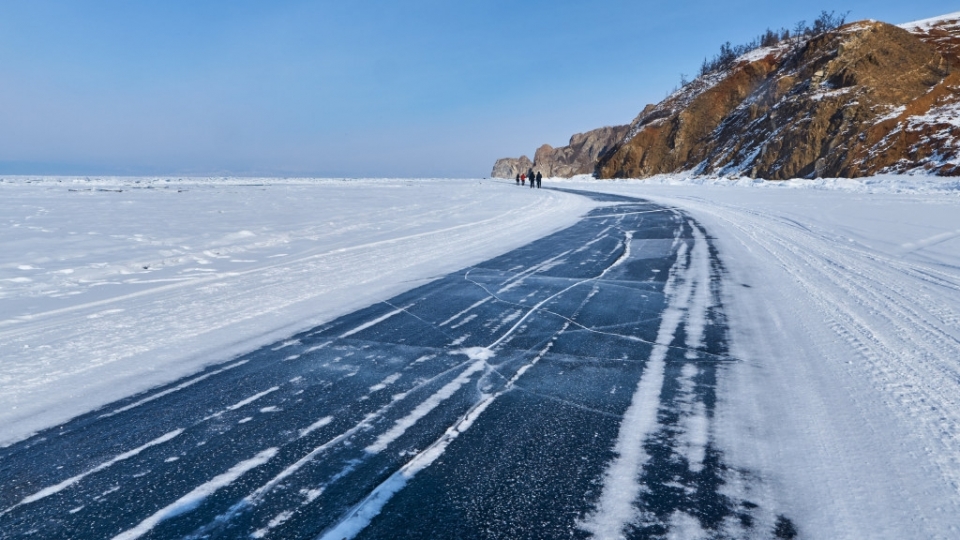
(866, 98)
(862, 99)
(579, 157)
(511, 167)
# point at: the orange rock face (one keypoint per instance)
(581, 155)
(866, 98)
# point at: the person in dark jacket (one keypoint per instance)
(518, 179)
(533, 180)
(539, 178)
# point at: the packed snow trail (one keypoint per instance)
(844, 315)
(566, 388)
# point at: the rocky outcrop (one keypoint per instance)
(866, 98)
(511, 167)
(581, 155)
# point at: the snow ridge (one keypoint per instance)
(621, 486)
(192, 500)
(46, 492)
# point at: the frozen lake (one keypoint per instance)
(472, 359)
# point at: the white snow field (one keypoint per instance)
(843, 298)
(842, 410)
(112, 286)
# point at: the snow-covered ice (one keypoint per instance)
(113, 286)
(842, 298)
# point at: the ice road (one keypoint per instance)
(564, 389)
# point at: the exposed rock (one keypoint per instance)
(866, 98)
(511, 167)
(581, 155)
(863, 99)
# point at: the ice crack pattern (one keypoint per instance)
(564, 389)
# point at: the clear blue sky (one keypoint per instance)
(350, 88)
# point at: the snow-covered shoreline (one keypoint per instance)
(885, 183)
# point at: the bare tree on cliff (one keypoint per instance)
(826, 22)
(800, 31)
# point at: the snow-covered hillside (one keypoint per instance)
(859, 100)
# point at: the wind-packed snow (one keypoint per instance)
(880, 184)
(113, 286)
(843, 299)
(46, 492)
(193, 499)
(421, 410)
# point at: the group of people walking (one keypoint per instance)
(534, 179)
